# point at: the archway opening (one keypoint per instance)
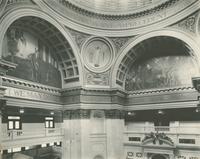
(157, 62)
(158, 157)
(41, 52)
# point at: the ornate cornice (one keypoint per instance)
(119, 15)
(159, 91)
(23, 84)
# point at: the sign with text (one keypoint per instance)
(33, 95)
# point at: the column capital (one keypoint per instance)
(86, 114)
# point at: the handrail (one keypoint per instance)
(166, 129)
(24, 134)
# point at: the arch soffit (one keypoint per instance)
(13, 15)
(175, 33)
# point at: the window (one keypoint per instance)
(49, 122)
(134, 139)
(161, 125)
(187, 141)
(14, 123)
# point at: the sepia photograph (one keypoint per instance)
(99, 79)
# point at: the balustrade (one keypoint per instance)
(180, 135)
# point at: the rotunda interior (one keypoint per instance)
(99, 79)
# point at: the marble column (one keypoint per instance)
(114, 131)
(93, 134)
(72, 135)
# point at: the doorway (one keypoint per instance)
(158, 156)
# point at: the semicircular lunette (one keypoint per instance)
(157, 63)
(41, 52)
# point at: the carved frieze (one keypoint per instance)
(78, 37)
(120, 42)
(101, 79)
(188, 24)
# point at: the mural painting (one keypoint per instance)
(160, 72)
(33, 58)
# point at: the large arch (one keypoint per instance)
(15, 14)
(174, 33)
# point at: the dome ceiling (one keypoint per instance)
(116, 18)
(116, 7)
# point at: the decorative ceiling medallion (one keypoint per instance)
(97, 54)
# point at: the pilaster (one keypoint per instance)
(93, 133)
(4, 67)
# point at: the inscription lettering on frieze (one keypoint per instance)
(25, 94)
(138, 22)
(144, 21)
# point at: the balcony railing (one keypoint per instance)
(180, 135)
(171, 129)
(25, 134)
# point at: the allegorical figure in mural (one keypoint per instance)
(15, 40)
(34, 59)
(97, 56)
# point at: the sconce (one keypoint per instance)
(161, 112)
(21, 111)
(52, 112)
(131, 113)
